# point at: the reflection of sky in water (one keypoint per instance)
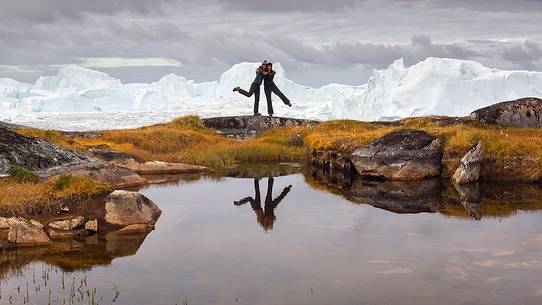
(322, 250)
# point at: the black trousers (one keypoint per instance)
(254, 89)
(272, 88)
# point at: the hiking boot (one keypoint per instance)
(236, 89)
(257, 114)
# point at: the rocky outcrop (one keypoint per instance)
(244, 126)
(68, 224)
(469, 166)
(127, 208)
(159, 168)
(525, 112)
(35, 154)
(26, 233)
(401, 155)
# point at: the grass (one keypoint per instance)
(516, 152)
(22, 175)
(24, 195)
(184, 140)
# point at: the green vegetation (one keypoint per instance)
(22, 175)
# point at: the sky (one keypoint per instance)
(317, 41)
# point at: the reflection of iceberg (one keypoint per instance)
(72, 255)
(435, 86)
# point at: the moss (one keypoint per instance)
(22, 175)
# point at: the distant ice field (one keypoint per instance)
(82, 99)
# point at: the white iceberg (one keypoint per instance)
(82, 99)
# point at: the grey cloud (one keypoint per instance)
(44, 11)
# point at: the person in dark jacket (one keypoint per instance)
(270, 87)
(254, 87)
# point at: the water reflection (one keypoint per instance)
(474, 201)
(266, 216)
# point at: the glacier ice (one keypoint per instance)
(82, 99)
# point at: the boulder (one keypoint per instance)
(63, 234)
(159, 168)
(127, 208)
(525, 112)
(92, 225)
(402, 155)
(469, 166)
(136, 229)
(26, 233)
(35, 154)
(68, 224)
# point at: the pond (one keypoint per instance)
(291, 239)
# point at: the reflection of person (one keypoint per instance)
(265, 216)
(255, 87)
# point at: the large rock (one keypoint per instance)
(136, 229)
(35, 154)
(525, 112)
(68, 224)
(243, 126)
(127, 208)
(159, 168)
(26, 233)
(469, 166)
(401, 155)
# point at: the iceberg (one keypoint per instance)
(82, 99)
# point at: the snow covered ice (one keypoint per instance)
(82, 99)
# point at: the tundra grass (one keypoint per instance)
(24, 196)
(515, 150)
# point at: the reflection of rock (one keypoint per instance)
(401, 155)
(525, 112)
(123, 244)
(126, 208)
(469, 196)
(399, 196)
(262, 170)
(26, 233)
(72, 255)
(469, 166)
(135, 229)
(68, 224)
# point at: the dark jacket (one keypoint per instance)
(259, 77)
(268, 78)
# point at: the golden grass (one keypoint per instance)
(16, 196)
(184, 140)
(187, 140)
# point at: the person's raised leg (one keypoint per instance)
(283, 97)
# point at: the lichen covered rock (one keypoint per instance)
(402, 155)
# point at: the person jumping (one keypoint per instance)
(254, 88)
(269, 87)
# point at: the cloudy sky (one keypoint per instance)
(318, 41)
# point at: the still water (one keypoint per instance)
(293, 240)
